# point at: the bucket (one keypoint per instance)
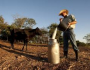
(62, 26)
(53, 51)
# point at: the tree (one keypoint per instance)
(87, 37)
(3, 24)
(80, 43)
(45, 36)
(3, 28)
(29, 23)
(24, 23)
(44, 30)
(51, 30)
(1, 19)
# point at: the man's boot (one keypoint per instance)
(65, 54)
(76, 53)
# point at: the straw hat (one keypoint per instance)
(64, 10)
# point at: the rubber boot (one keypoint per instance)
(65, 54)
(76, 53)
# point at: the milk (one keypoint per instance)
(54, 34)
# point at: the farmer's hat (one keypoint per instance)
(64, 10)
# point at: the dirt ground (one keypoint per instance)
(36, 58)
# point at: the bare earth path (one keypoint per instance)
(36, 58)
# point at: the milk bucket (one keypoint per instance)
(53, 51)
(62, 26)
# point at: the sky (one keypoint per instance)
(45, 12)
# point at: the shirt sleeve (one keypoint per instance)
(73, 18)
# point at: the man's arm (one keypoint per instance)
(71, 23)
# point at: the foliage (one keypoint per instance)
(23, 23)
(3, 25)
(29, 23)
(44, 30)
(87, 37)
(3, 28)
(1, 19)
(80, 43)
(51, 30)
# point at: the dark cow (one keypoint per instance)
(24, 35)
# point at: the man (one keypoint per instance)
(69, 33)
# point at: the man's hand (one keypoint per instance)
(61, 19)
(69, 24)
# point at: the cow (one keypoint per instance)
(24, 35)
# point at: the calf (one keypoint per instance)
(24, 35)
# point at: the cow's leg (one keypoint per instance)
(12, 44)
(26, 46)
(23, 45)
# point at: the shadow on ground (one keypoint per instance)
(24, 53)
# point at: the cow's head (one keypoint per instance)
(38, 31)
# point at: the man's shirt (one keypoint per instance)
(68, 19)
